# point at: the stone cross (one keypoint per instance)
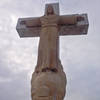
(49, 80)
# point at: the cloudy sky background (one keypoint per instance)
(80, 55)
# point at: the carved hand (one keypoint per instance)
(23, 22)
(80, 18)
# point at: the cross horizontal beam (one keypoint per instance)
(80, 28)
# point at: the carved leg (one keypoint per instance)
(53, 59)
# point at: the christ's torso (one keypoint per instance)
(48, 46)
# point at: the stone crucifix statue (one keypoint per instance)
(49, 80)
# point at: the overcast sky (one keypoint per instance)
(80, 55)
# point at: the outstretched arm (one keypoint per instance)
(31, 22)
(70, 19)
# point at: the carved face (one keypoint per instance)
(50, 10)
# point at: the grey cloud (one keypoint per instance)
(79, 54)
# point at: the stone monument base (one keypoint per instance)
(48, 85)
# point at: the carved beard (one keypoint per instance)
(52, 13)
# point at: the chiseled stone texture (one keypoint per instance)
(48, 85)
(49, 80)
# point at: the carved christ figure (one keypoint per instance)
(48, 52)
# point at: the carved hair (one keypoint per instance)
(49, 13)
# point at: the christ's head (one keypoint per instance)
(50, 10)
